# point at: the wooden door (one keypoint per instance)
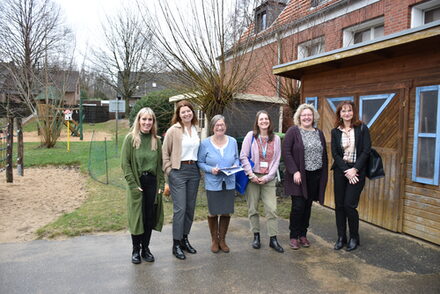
(380, 199)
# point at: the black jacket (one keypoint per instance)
(363, 146)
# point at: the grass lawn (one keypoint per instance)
(105, 207)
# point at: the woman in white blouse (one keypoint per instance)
(179, 154)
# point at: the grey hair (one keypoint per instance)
(215, 119)
(300, 109)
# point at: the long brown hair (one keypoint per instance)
(176, 117)
(354, 121)
(269, 129)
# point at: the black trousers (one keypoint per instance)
(346, 202)
(149, 187)
(302, 208)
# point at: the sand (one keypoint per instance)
(36, 199)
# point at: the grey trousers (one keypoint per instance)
(184, 184)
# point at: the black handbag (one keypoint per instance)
(375, 166)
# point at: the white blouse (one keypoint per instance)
(190, 144)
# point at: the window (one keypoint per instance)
(261, 21)
(310, 48)
(334, 102)
(371, 106)
(313, 101)
(316, 3)
(363, 32)
(425, 13)
(426, 149)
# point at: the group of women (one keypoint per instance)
(146, 162)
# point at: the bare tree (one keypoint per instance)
(205, 45)
(125, 58)
(32, 40)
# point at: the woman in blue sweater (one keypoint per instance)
(216, 152)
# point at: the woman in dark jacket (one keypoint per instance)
(305, 157)
(351, 146)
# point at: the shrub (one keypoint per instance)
(158, 101)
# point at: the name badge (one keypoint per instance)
(264, 164)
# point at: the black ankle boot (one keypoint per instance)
(146, 254)
(177, 250)
(353, 244)
(273, 243)
(256, 244)
(135, 256)
(186, 246)
(340, 243)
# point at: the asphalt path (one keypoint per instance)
(385, 262)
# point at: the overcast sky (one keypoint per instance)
(84, 17)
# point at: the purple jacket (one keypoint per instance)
(246, 147)
(293, 154)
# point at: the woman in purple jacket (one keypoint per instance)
(305, 157)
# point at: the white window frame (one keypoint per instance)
(417, 135)
(348, 33)
(338, 99)
(388, 98)
(303, 47)
(313, 101)
(418, 12)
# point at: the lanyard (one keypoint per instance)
(263, 148)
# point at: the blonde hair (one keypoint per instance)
(135, 130)
(300, 109)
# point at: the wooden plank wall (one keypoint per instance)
(421, 202)
(409, 207)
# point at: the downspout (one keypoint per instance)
(278, 83)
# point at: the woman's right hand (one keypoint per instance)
(215, 170)
(297, 178)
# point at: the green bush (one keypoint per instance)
(158, 101)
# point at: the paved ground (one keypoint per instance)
(385, 263)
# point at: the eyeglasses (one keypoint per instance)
(306, 115)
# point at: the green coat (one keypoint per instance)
(131, 158)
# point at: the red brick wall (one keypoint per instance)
(396, 14)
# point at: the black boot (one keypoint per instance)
(256, 244)
(186, 246)
(340, 243)
(135, 256)
(273, 243)
(177, 250)
(353, 244)
(145, 252)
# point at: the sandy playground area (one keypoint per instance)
(37, 199)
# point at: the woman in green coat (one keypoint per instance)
(141, 161)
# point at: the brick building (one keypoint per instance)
(384, 55)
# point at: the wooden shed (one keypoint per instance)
(395, 83)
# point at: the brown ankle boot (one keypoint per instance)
(223, 229)
(213, 228)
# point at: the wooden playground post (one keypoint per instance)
(10, 140)
(20, 152)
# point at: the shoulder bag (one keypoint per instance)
(374, 165)
(241, 179)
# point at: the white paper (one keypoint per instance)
(231, 170)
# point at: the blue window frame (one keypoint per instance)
(426, 149)
(334, 102)
(313, 101)
(371, 106)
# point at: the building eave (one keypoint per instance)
(378, 48)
